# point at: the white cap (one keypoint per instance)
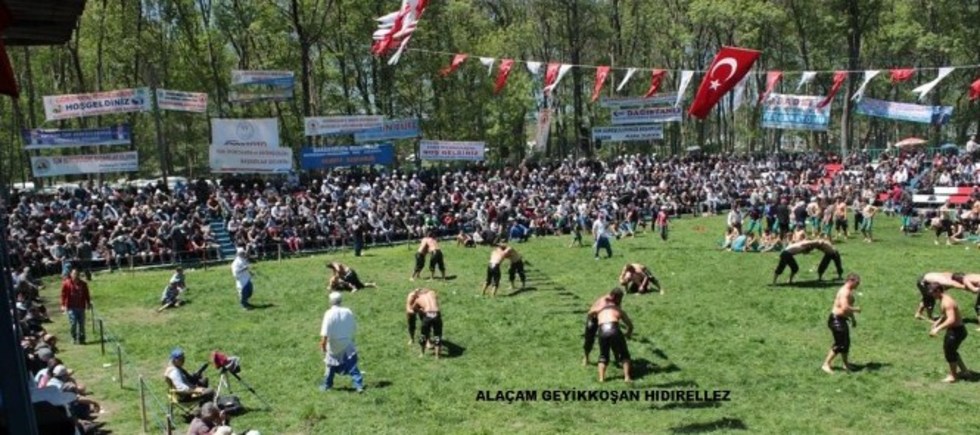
(335, 298)
(60, 370)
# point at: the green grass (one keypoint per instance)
(719, 326)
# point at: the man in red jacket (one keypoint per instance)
(74, 301)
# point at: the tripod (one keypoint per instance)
(223, 383)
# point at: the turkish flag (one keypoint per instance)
(772, 77)
(550, 74)
(457, 61)
(8, 83)
(728, 68)
(502, 73)
(600, 79)
(975, 90)
(655, 78)
(900, 75)
(839, 78)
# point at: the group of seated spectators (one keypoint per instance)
(62, 404)
(116, 227)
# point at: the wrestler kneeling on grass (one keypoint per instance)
(344, 275)
(638, 278)
(423, 303)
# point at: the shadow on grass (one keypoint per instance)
(809, 284)
(676, 384)
(262, 306)
(368, 386)
(711, 426)
(453, 350)
(687, 405)
(869, 366)
(522, 290)
(642, 367)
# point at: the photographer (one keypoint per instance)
(185, 382)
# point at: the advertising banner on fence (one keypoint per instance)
(250, 86)
(936, 115)
(450, 150)
(328, 125)
(85, 164)
(629, 133)
(795, 112)
(340, 156)
(259, 132)
(99, 103)
(654, 100)
(250, 160)
(180, 101)
(391, 129)
(118, 134)
(649, 115)
(543, 131)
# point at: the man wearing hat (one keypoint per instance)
(184, 381)
(243, 277)
(337, 344)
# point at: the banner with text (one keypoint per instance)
(181, 101)
(250, 160)
(544, 130)
(329, 125)
(935, 115)
(451, 150)
(795, 112)
(629, 133)
(85, 164)
(99, 103)
(649, 115)
(252, 86)
(654, 100)
(340, 156)
(259, 132)
(119, 134)
(392, 129)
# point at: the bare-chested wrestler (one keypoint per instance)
(829, 254)
(842, 311)
(429, 245)
(613, 298)
(944, 279)
(611, 338)
(343, 274)
(424, 304)
(787, 258)
(952, 322)
(638, 278)
(840, 217)
(493, 269)
(516, 268)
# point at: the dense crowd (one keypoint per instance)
(116, 227)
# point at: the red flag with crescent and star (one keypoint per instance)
(656, 77)
(839, 78)
(728, 68)
(975, 90)
(502, 73)
(900, 75)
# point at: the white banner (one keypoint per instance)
(259, 132)
(654, 100)
(196, 102)
(85, 164)
(99, 103)
(544, 130)
(686, 77)
(649, 115)
(449, 150)
(250, 160)
(327, 125)
(629, 133)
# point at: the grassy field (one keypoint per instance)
(720, 326)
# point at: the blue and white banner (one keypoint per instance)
(57, 107)
(250, 86)
(331, 125)
(629, 133)
(935, 115)
(795, 112)
(180, 101)
(341, 156)
(85, 164)
(450, 150)
(392, 129)
(119, 134)
(258, 132)
(654, 100)
(231, 159)
(649, 115)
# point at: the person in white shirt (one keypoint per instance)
(243, 278)
(600, 233)
(972, 146)
(337, 344)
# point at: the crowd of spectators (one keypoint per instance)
(120, 227)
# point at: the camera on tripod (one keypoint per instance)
(225, 363)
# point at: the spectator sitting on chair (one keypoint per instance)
(190, 384)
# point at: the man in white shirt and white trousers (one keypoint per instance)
(337, 344)
(243, 278)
